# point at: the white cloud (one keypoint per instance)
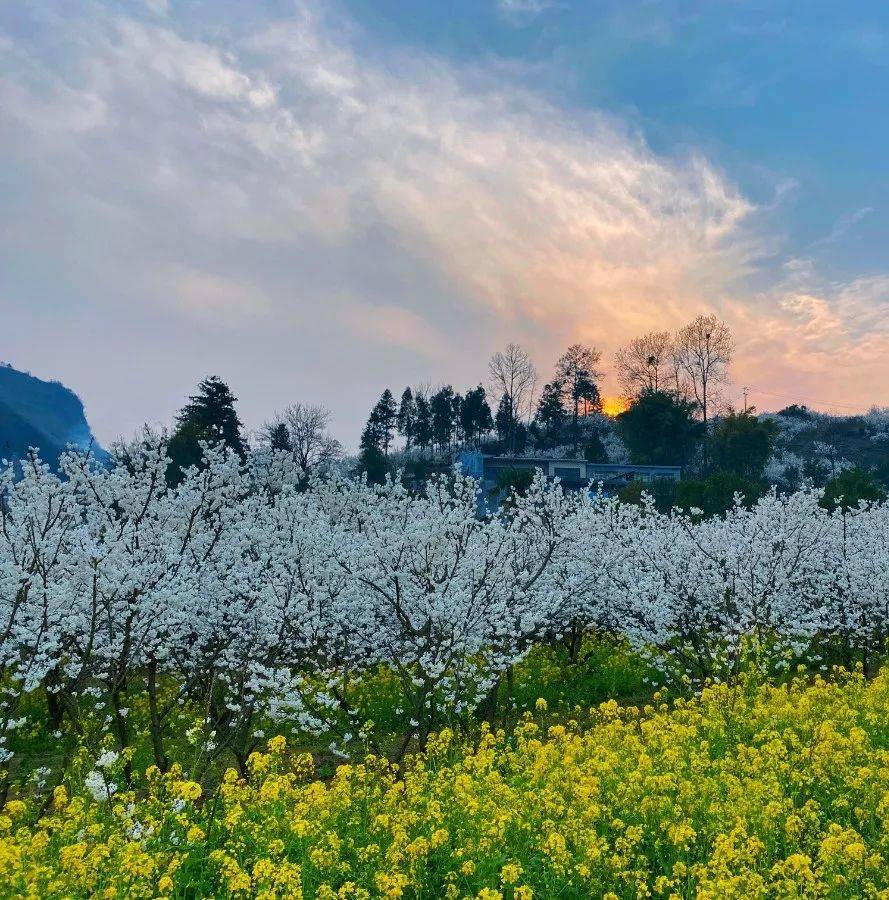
(522, 11)
(389, 210)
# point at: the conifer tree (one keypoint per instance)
(423, 424)
(407, 417)
(208, 416)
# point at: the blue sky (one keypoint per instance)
(317, 200)
(782, 95)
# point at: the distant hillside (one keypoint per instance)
(37, 413)
(816, 446)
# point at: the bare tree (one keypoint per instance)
(513, 373)
(704, 349)
(645, 363)
(310, 442)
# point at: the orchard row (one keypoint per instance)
(256, 594)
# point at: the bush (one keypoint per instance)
(715, 494)
(661, 490)
(850, 487)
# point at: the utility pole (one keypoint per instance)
(745, 401)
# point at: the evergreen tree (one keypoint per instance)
(660, 429)
(423, 423)
(442, 407)
(577, 374)
(279, 437)
(594, 450)
(741, 444)
(457, 419)
(407, 417)
(371, 459)
(551, 416)
(475, 415)
(209, 416)
(383, 419)
(504, 421)
(851, 486)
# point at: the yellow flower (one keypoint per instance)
(187, 790)
(511, 873)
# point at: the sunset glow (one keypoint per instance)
(614, 406)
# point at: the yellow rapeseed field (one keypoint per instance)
(746, 791)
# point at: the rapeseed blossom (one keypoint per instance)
(749, 790)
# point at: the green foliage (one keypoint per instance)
(594, 450)
(850, 487)
(279, 438)
(661, 490)
(407, 417)
(715, 494)
(423, 423)
(551, 417)
(475, 415)
(381, 423)
(443, 406)
(604, 667)
(209, 416)
(513, 480)
(660, 429)
(371, 459)
(741, 444)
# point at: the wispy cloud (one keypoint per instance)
(843, 225)
(523, 11)
(391, 211)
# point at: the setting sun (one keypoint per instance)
(614, 406)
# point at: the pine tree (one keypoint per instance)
(407, 417)
(551, 416)
(382, 420)
(209, 416)
(505, 422)
(442, 406)
(475, 415)
(279, 437)
(423, 424)
(576, 372)
(371, 458)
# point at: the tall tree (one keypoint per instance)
(576, 372)
(504, 421)
(704, 349)
(407, 417)
(644, 363)
(423, 424)
(741, 444)
(660, 429)
(551, 417)
(442, 406)
(371, 459)
(513, 375)
(382, 420)
(278, 437)
(209, 416)
(475, 415)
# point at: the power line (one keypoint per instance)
(795, 397)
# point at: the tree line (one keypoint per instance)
(677, 377)
(672, 385)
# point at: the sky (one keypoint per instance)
(317, 200)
